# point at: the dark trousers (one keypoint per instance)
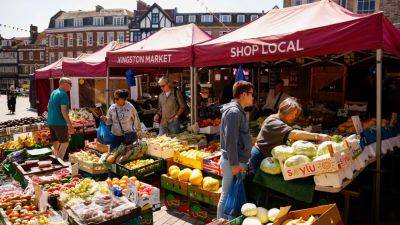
(11, 105)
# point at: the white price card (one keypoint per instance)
(74, 169)
(132, 193)
(43, 201)
(357, 124)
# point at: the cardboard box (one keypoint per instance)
(209, 130)
(339, 160)
(327, 215)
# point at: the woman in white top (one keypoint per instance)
(123, 118)
(274, 98)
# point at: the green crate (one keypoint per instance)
(141, 172)
(176, 202)
(237, 221)
(202, 212)
(77, 141)
(208, 197)
(173, 185)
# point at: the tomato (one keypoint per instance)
(33, 207)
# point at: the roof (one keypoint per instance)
(166, 12)
(94, 13)
(53, 70)
(319, 28)
(169, 47)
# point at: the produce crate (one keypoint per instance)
(129, 218)
(160, 152)
(141, 172)
(211, 164)
(189, 162)
(197, 193)
(97, 177)
(173, 185)
(24, 168)
(202, 212)
(176, 202)
(92, 168)
(209, 130)
(145, 218)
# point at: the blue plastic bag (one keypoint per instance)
(236, 198)
(104, 135)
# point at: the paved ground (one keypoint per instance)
(165, 217)
(22, 109)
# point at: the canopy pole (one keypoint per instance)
(195, 111)
(378, 132)
(192, 95)
(107, 88)
(51, 84)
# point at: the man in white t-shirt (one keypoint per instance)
(274, 98)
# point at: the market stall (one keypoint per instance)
(288, 33)
(167, 48)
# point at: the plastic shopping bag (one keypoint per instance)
(104, 135)
(236, 198)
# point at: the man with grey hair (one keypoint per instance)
(276, 130)
(58, 118)
(171, 105)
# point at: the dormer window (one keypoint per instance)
(59, 23)
(98, 21)
(118, 20)
(78, 22)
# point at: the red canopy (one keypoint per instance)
(52, 70)
(93, 65)
(313, 29)
(169, 47)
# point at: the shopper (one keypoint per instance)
(171, 105)
(11, 99)
(275, 97)
(235, 138)
(124, 120)
(58, 118)
(276, 130)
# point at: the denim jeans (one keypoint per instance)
(227, 179)
(255, 160)
(173, 127)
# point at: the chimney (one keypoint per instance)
(98, 8)
(33, 30)
(141, 6)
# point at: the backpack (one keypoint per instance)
(186, 112)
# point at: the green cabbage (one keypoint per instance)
(282, 152)
(270, 165)
(297, 160)
(323, 147)
(304, 148)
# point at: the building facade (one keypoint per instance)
(8, 63)
(149, 19)
(72, 33)
(391, 8)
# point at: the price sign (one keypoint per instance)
(132, 193)
(357, 124)
(43, 201)
(74, 169)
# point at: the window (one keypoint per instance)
(298, 2)
(31, 69)
(51, 41)
(118, 20)
(79, 39)
(44, 42)
(366, 6)
(21, 56)
(60, 55)
(59, 23)
(155, 19)
(100, 38)
(98, 21)
(221, 33)
(136, 36)
(78, 22)
(241, 18)
(51, 57)
(310, 1)
(253, 17)
(60, 41)
(206, 18)
(41, 56)
(225, 18)
(70, 40)
(179, 19)
(70, 54)
(110, 37)
(121, 37)
(192, 19)
(343, 3)
(89, 52)
(30, 56)
(89, 39)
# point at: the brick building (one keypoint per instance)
(391, 8)
(73, 33)
(8, 63)
(150, 18)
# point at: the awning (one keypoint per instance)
(53, 70)
(169, 47)
(314, 29)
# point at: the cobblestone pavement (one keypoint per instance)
(22, 109)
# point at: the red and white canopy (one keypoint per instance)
(169, 47)
(53, 70)
(314, 29)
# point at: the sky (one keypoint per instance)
(22, 13)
